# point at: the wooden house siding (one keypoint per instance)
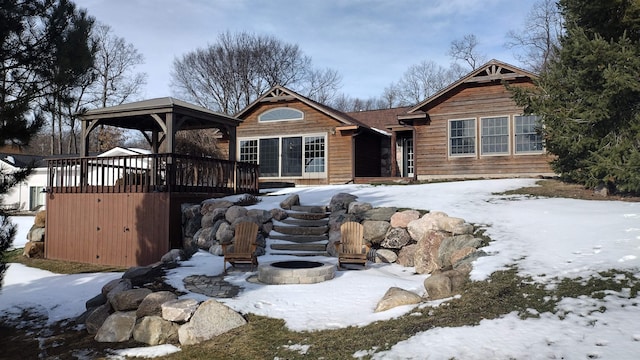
(338, 146)
(474, 102)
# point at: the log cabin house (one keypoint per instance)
(297, 140)
(470, 129)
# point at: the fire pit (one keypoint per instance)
(295, 272)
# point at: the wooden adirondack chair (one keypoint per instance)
(352, 249)
(244, 246)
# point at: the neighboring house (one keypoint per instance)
(28, 194)
(471, 129)
(297, 140)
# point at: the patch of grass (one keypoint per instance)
(57, 266)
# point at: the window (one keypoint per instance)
(286, 156)
(314, 154)
(494, 135)
(527, 138)
(462, 137)
(281, 114)
(249, 151)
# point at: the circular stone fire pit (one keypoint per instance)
(295, 272)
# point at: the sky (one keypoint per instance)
(547, 239)
(370, 43)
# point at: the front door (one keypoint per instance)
(407, 157)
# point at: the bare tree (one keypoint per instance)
(540, 37)
(115, 78)
(230, 74)
(421, 81)
(466, 49)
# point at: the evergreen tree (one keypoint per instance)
(33, 35)
(589, 96)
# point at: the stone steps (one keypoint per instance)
(305, 232)
(300, 239)
(301, 230)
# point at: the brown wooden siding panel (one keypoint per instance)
(133, 228)
(432, 141)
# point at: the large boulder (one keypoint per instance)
(40, 219)
(205, 237)
(210, 218)
(445, 284)
(453, 244)
(115, 286)
(210, 320)
(118, 327)
(425, 258)
(129, 299)
(278, 214)
(341, 201)
(96, 318)
(261, 215)
(406, 255)
(356, 207)
(379, 214)
(395, 297)
(173, 256)
(402, 218)
(154, 330)
(151, 305)
(375, 231)
(36, 234)
(290, 201)
(386, 256)
(396, 238)
(235, 212)
(210, 205)
(33, 249)
(192, 225)
(224, 234)
(140, 275)
(179, 310)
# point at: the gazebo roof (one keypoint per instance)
(139, 115)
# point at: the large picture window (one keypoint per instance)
(462, 137)
(494, 135)
(292, 156)
(528, 140)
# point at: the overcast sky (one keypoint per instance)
(371, 43)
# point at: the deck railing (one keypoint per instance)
(151, 173)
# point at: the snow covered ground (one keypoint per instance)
(546, 238)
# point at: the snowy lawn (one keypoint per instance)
(547, 240)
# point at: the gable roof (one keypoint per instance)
(492, 71)
(280, 93)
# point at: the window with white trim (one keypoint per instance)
(249, 151)
(281, 114)
(314, 154)
(290, 156)
(494, 138)
(462, 137)
(528, 140)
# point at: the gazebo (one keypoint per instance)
(126, 210)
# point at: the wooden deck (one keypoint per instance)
(127, 210)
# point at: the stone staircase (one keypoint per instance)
(305, 232)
